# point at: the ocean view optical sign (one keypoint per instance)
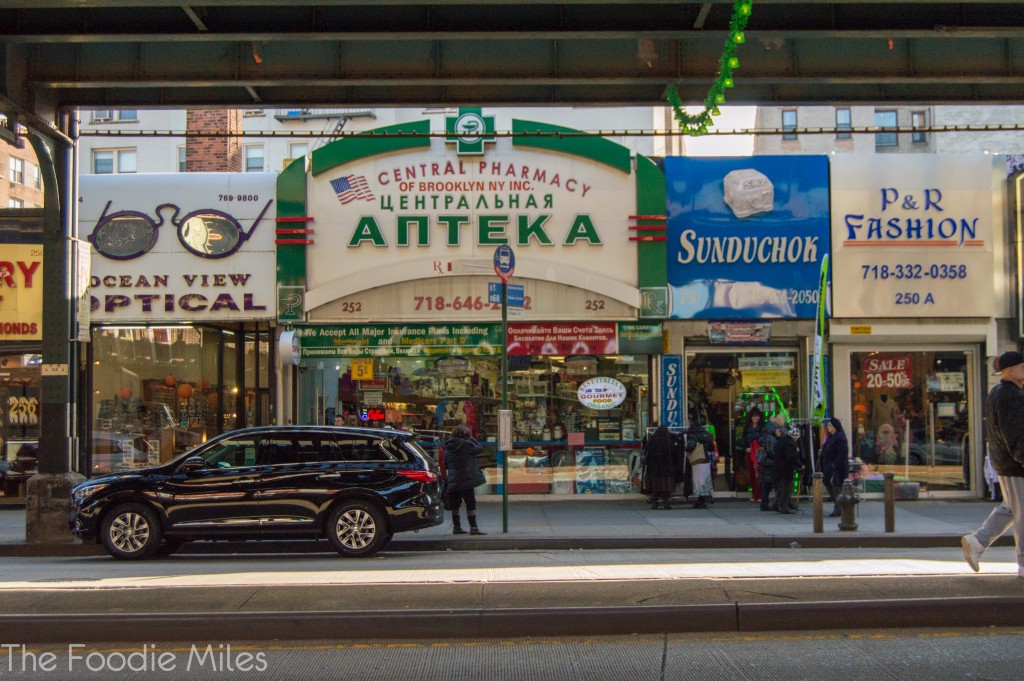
(601, 393)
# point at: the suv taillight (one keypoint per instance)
(419, 476)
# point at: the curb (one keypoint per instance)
(985, 611)
(497, 543)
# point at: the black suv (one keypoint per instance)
(357, 486)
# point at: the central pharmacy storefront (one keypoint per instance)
(431, 377)
(387, 277)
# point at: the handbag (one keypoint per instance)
(696, 455)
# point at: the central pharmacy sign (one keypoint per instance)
(401, 204)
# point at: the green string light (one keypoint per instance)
(697, 124)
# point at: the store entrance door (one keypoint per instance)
(723, 389)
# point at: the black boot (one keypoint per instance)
(457, 523)
(473, 529)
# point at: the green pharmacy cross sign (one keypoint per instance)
(469, 130)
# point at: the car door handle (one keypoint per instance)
(245, 481)
(328, 476)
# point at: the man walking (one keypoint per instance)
(1004, 413)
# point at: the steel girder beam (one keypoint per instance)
(247, 53)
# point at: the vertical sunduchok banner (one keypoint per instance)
(746, 236)
(672, 399)
(818, 400)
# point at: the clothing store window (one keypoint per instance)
(912, 416)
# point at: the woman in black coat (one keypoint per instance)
(835, 461)
(462, 475)
(659, 466)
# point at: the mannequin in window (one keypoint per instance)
(882, 411)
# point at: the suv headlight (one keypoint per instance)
(82, 493)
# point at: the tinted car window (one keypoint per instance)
(304, 448)
(352, 448)
(232, 452)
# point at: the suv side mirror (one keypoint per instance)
(193, 464)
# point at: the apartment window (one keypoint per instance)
(254, 158)
(15, 203)
(110, 115)
(35, 178)
(17, 169)
(918, 121)
(111, 161)
(297, 149)
(843, 124)
(789, 124)
(181, 159)
(886, 119)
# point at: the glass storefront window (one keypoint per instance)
(432, 395)
(723, 387)
(19, 420)
(912, 416)
(155, 394)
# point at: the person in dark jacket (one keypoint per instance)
(660, 466)
(835, 462)
(766, 464)
(462, 474)
(1004, 414)
(785, 463)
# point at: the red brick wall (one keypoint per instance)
(217, 154)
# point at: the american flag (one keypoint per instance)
(352, 187)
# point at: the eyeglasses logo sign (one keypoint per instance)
(207, 232)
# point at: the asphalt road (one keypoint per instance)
(906, 655)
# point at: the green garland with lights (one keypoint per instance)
(697, 124)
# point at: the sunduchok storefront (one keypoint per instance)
(182, 304)
(387, 278)
(746, 242)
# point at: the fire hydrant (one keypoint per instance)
(847, 502)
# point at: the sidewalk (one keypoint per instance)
(730, 568)
(627, 522)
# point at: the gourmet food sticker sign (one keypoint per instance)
(746, 236)
(407, 227)
(180, 247)
(912, 235)
(601, 393)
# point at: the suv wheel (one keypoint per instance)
(357, 529)
(131, 532)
